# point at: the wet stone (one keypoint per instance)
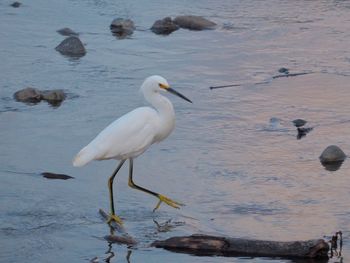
(53, 95)
(332, 154)
(283, 70)
(122, 28)
(299, 122)
(28, 95)
(194, 22)
(164, 26)
(72, 47)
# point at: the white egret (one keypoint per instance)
(131, 135)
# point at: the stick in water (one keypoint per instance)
(224, 86)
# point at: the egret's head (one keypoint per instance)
(157, 84)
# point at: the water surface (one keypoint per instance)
(237, 176)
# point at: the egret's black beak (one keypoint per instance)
(177, 94)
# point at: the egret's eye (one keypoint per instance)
(163, 86)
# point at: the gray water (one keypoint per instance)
(237, 176)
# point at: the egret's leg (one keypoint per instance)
(162, 198)
(113, 216)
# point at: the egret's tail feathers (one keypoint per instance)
(83, 157)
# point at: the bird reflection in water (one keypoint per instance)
(111, 254)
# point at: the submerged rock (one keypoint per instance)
(16, 4)
(122, 28)
(71, 46)
(164, 26)
(194, 22)
(332, 154)
(66, 31)
(28, 95)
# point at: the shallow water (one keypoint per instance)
(237, 176)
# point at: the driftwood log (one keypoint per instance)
(225, 246)
(206, 245)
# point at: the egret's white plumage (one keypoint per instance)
(130, 135)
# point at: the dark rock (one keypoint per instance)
(283, 70)
(28, 95)
(53, 97)
(16, 4)
(299, 122)
(164, 26)
(72, 47)
(194, 22)
(56, 176)
(122, 28)
(67, 32)
(332, 154)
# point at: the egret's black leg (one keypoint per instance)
(162, 198)
(113, 216)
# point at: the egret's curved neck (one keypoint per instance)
(162, 104)
(165, 112)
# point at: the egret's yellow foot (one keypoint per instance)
(115, 218)
(168, 201)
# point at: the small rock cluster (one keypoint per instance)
(33, 96)
(166, 25)
(123, 28)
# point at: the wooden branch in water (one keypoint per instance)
(56, 176)
(214, 245)
(224, 86)
(286, 75)
(290, 75)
